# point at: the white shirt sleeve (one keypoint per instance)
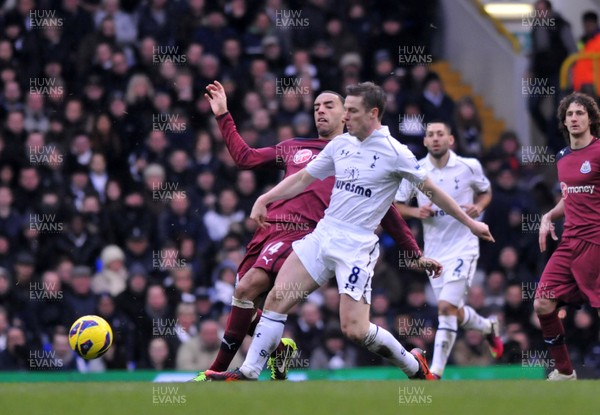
(323, 165)
(405, 192)
(408, 167)
(480, 183)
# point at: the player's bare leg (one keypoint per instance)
(293, 284)
(469, 319)
(554, 337)
(354, 319)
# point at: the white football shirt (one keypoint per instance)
(367, 175)
(462, 178)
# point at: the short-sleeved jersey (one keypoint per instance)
(308, 207)
(579, 176)
(367, 175)
(291, 156)
(462, 178)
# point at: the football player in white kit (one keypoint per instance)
(368, 165)
(450, 242)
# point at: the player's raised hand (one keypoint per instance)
(546, 226)
(259, 213)
(481, 230)
(217, 98)
(430, 266)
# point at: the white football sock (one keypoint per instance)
(444, 341)
(382, 343)
(267, 336)
(473, 321)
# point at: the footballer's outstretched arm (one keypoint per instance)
(444, 201)
(244, 156)
(546, 224)
(286, 189)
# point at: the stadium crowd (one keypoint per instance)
(119, 198)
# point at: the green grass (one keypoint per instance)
(306, 398)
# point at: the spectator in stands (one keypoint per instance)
(77, 242)
(125, 27)
(436, 104)
(132, 300)
(591, 28)
(36, 118)
(469, 130)
(10, 220)
(181, 284)
(334, 353)
(122, 351)
(16, 355)
(138, 250)
(309, 328)
(113, 275)
(133, 215)
(470, 350)
(494, 290)
(48, 306)
(9, 298)
(61, 356)
(158, 356)
(200, 351)
(158, 18)
(80, 300)
(219, 221)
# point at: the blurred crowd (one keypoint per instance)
(119, 198)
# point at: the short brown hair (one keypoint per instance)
(590, 106)
(373, 96)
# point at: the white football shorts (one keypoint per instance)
(337, 248)
(453, 284)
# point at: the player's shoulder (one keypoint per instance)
(471, 163)
(562, 153)
(341, 140)
(301, 142)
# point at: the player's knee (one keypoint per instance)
(543, 306)
(447, 309)
(251, 285)
(354, 333)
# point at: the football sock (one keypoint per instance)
(279, 350)
(238, 324)
(254, 322)
(473, 321)
(382, 343)
(267, 336)
(554, 337)
(444, 341)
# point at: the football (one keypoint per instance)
(90, 336)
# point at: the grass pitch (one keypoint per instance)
(305, 398)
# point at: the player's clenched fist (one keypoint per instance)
(259, 213)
